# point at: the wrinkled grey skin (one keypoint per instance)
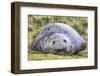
(58, 38)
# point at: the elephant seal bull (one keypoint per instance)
(58, 38)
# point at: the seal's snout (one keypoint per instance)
(59, 43)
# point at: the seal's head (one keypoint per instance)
(59, 43)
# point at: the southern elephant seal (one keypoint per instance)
(58, 38)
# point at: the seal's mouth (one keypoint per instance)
(60, 51)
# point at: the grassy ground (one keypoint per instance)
(35, 55)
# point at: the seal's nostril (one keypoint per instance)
(65, 41)
(53, 42)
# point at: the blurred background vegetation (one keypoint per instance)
(37, 22)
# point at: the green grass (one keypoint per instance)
(35, 55)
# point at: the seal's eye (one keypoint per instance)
(65, 41)
(53, 42)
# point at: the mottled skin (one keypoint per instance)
(58, 38)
